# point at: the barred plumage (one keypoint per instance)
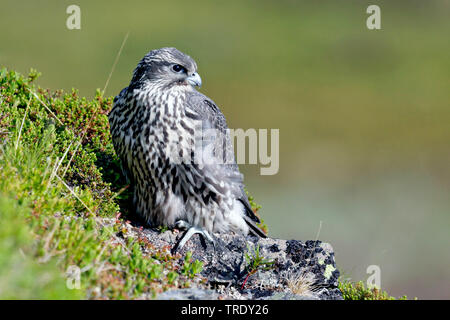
(158, 125)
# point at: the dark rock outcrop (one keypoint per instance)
(297, 270)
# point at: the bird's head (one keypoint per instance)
(166, 67)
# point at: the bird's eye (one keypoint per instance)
(178, 68)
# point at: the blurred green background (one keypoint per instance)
(364, 116)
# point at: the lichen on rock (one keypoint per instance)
(297, 270)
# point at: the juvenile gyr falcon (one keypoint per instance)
(181, 177)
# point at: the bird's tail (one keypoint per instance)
(251, 219)
(253, 228)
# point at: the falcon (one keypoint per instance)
(176, 151)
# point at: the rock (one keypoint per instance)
(298, 270)
(189, 294)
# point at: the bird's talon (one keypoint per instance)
(182, 225)
(205, 236)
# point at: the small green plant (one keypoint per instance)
(255, 261)
(256, 207)
(162, 229)
(171, 277)
(191, 268)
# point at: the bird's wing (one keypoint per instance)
(202, 108)
(112, 118)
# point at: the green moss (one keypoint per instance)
(357, 291)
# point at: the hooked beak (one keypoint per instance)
(194, 80)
